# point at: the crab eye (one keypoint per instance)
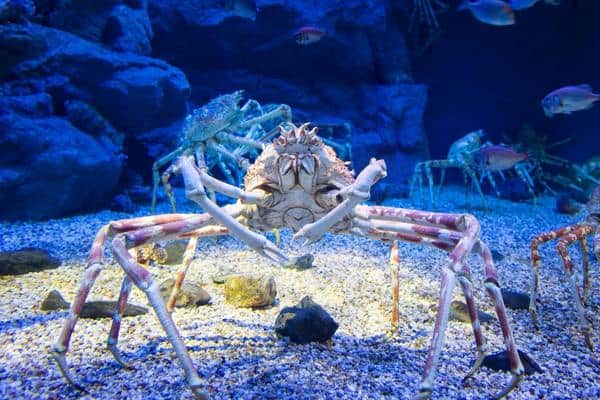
(281, 141)
(314, 141)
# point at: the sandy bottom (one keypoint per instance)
(239, 357)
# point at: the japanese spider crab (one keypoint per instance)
(472, 157)
(297, 182)
(568, 236)
(207, 131)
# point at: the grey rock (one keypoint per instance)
(250, 290)
(300, 262)
(189, 295)
(91, 309)
(54, 301)
(500, 362)
(306, 322)
(26, 260)
(106, 309)
(515, 300)
(460, 313)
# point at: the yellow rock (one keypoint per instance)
(250, 290)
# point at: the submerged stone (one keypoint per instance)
(300, 262)
(54, 301)
(27, 260)
(250, 290)
(306, 322)
(190, 294)
(515, 300)
(500, 362)
(460, 313)
(91, 309)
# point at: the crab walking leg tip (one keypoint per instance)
(60, 360)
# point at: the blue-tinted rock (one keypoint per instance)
(51, 169)
(134, 93)
(306, 322)
(119, 25)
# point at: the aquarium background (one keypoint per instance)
(94, 91)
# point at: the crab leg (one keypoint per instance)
(282, 111)
(95, 266)
(195, 191)
(155, 171)
(464, 279)
(585, 250)
(568, 266)
(353, 194)
(535, 264)
(188, 255)
(394, 265)
(458, 234)
(492, 288)
(113, 336)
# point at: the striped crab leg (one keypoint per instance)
(562, 246)
(93, 269)
(459, 235)
(535, 265)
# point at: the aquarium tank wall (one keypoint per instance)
(299, 199)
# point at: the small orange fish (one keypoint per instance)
(498, 157)
(308, 35)
(493, 12)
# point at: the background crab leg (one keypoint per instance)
(585, 250)
(155, 171)
(535, 265)
(568, 266)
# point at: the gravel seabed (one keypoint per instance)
(236, 351)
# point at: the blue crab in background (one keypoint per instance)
(220, 133)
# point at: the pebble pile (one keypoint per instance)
(236, 350)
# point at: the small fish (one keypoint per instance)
(242, 8)
(308, 35)
(521, 4)
(498, 157)
(493, 12)
(568, 99)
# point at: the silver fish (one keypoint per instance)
(498, 157)
(568, 99)
(493, 12)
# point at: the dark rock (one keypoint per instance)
(460, 313)
(497, 256)
(86, 118)
(300, 262)
(52, 168)
(122, 203)
(54, 301)
(116, 24)
(500, 362)
(565, 204)
(306, 322)
(189, 295)
(26, 260)
(250, 290)
(106, 309)
(132, 92)
(515, 300)
(514, 189)
(91, 309)
(16, 10)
